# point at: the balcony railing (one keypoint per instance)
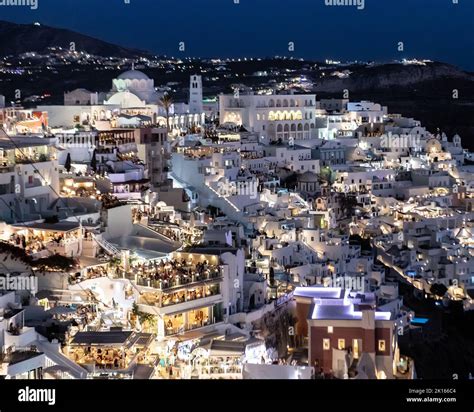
(20, 354)
(190, 326)
(178, 298)
(176, 282)
(6, 168)
(32, 159)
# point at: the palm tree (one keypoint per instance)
(167, 101)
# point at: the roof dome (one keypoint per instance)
(133, 75)
(125, 99)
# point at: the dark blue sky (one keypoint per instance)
(434, 29)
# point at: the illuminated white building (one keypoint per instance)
(20, 359)
(195, 95)
(273, 116)
(136, 83)
(29, 179)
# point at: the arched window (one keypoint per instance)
(307, 133)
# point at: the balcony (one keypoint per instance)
(65, 247)
(191, 322)
(24, 362)
(179, 330)
(203, 294)
(6, 168)
(20, 337)
(128, 176)
(176, 282)
(34, 158)
(186, 306)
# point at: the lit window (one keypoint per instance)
(330, 329)
(382, 345)
(326, 344)
(341, 343)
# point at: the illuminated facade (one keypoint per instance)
(137, 84)
(347, 336)
(272, 116)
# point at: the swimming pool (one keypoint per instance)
(419, 321)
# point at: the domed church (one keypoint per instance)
(130, 84)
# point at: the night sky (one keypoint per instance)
(433, 29)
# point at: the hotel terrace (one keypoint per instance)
(185, 292)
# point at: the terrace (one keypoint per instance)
(22, 362)
(110, 351)
(115, 138)
(6, 165)
(33, 158)
(162, 299)
(59, 238)
(20, 355)
(174, 274)
(180, 322)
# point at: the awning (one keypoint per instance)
(112, 338)
(50, 227)
(227, 348)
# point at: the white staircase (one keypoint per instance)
(107, 246)
(154, 233)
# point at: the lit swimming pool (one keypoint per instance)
(419, 321)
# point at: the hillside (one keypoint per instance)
(16, 39)
(392, 75)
